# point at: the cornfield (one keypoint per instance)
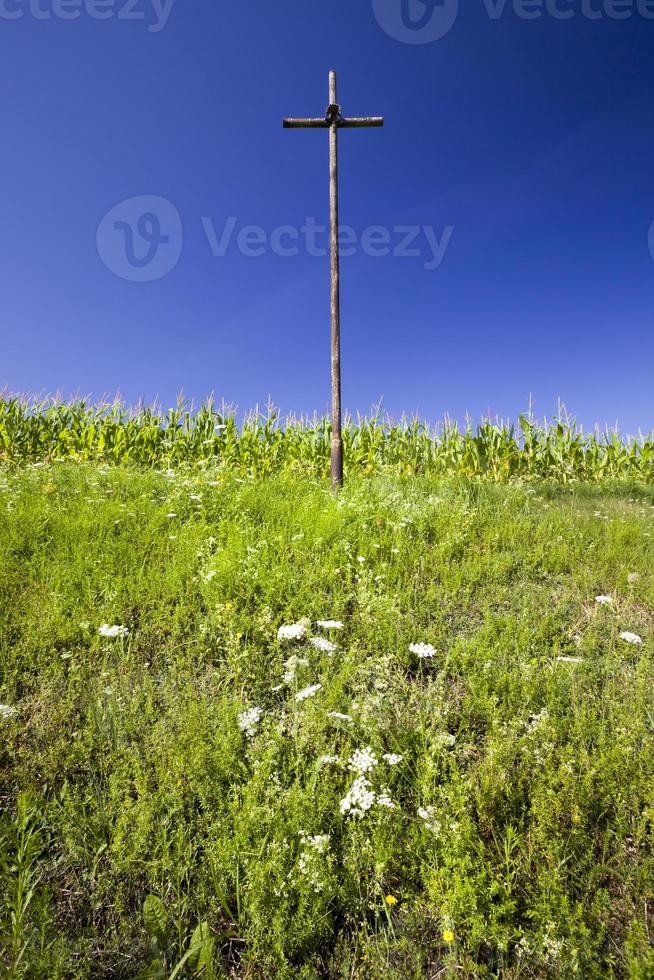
(49, 430)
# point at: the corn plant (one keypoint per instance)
(47, 430)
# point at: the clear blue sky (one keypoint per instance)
(530, 139)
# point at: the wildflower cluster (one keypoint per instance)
(248, 721)
(425, 651)
(111, 632)
(296, 631)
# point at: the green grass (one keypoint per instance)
(263, 445)
(143, 833)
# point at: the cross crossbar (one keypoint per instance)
(333, 120)
(365, 122)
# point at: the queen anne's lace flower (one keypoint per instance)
(424, 650)
(111, 632)
(339, 716)
(363, 760)
(296, 631)
(359, 798)
(604, 600)
(6, 712)
(392, 759)
(631, 638)
(330, 624)
(569, 660)
(320, 643)
(248, 721)
(308, 692)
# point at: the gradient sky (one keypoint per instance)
(531, 139)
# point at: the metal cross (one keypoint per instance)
(333, 121)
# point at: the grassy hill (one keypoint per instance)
(457, 780)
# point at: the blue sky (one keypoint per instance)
(523, 142)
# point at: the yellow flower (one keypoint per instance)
(448, 936)
(390, 900)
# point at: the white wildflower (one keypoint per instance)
(296, 631)
(392, 759)
(327, 760)
(320, 643)
(359, 798)
(363, 760)
(171, 515)
(535, 721)
(7, 712)
(444, 740)
(277, 688)
(570, 660)
(339, 716)
(383, 799)
(631, 638)
(633, 577)
(604, 600)
(424, 650)
(330, 624)
(428, 817)
(309, 863)
(249, 720)
(319, 843)
(110, 632)
(308, 692)
(361, 560)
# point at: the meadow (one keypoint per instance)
(249, 729)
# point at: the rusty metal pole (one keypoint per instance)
(333, 121)
(337, 438)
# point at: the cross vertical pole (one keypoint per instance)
(333, 120)
(337, 438)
